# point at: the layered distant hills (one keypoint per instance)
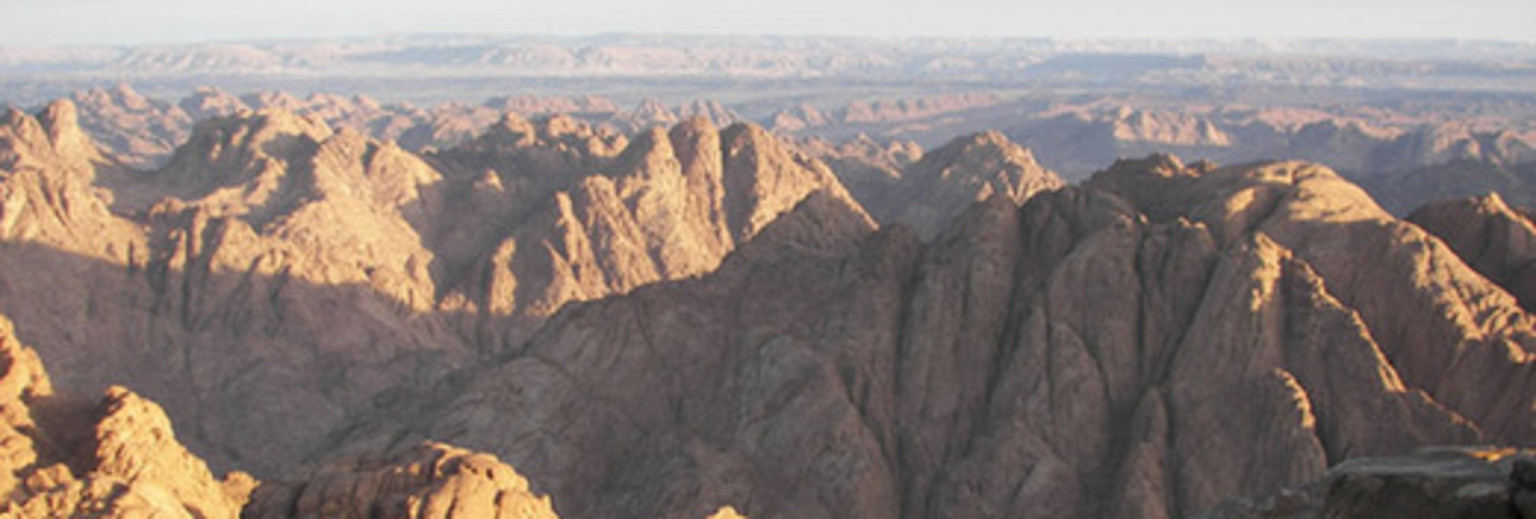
(1405, 154)
(685, 315)
(437, 68)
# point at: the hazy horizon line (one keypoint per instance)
(554, 36)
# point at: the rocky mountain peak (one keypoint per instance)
(980, 153)
(206, 102)
(648, 151)
(61, 119)
(121, 94)
(798, 117)
(967, 169)
(711, 110)
(651, 111)
(237, 164)
(763, 178)
(1491, 237)
(266, 132)
(51, 140)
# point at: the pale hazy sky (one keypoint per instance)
(47, 22)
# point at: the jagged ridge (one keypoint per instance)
(1148, 345)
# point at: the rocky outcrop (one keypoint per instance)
(1433, 482)
(872, 171)
(145, 132)
(430, 480)
(204, 279)
(709, 110)
(1076, 140)
(49, 171)
(65, 457)
(1403, 191)
(118, 457)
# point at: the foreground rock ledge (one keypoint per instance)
(1482, 482)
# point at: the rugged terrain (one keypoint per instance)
(1404, 150)
(318, 269)
(1148, 345)
(118, 457)
(688, 317)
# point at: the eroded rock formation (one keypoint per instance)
(1148, 345)
(277, 276)
(118, 457)
(428, 481)
(692, 321)
(1492, 237)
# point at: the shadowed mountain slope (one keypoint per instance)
(277, 275)
(1148, 345)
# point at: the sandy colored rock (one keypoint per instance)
(727, 512)
(65, 457)
(1490, 236)
(296, 273)
(430, 480)
(1393, 275)
(664, 323)
(928, 193)
(1147, 352)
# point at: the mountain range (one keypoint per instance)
(1405, 155)
(708, 317)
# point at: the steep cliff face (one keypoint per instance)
(1446, 329)
(671, 205)
(1146, 346)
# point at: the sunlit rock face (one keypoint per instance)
(67, 457)
(428, 481)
